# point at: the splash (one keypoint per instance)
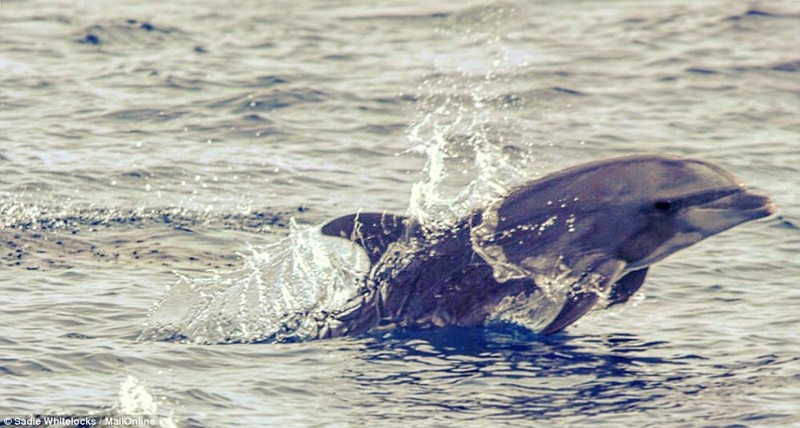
(72, 217)
(467, 130)
(283, 292)
(475, 154)
(465, 167)
(135, 407)
(534, 311)
(134, 399)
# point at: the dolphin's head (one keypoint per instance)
(611, 217)
(580, 232)
(674, 203)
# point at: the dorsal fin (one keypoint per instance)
(373, 231)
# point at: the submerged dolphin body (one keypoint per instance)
(550, 250)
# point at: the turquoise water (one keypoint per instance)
(147, 145)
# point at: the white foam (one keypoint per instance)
(282, 289)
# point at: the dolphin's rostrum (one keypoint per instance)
(548, 252)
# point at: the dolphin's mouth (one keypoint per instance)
(745, 204)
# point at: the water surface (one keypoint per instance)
(145, 142)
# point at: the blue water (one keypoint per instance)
(145, 145)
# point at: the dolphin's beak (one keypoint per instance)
(717, 211)
(740, 206)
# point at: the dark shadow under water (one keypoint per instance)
(508, 372)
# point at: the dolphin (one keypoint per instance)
(548, 252)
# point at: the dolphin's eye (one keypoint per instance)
(663, 206)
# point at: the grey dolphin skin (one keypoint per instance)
(582, 237)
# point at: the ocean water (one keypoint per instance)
(163, 166)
